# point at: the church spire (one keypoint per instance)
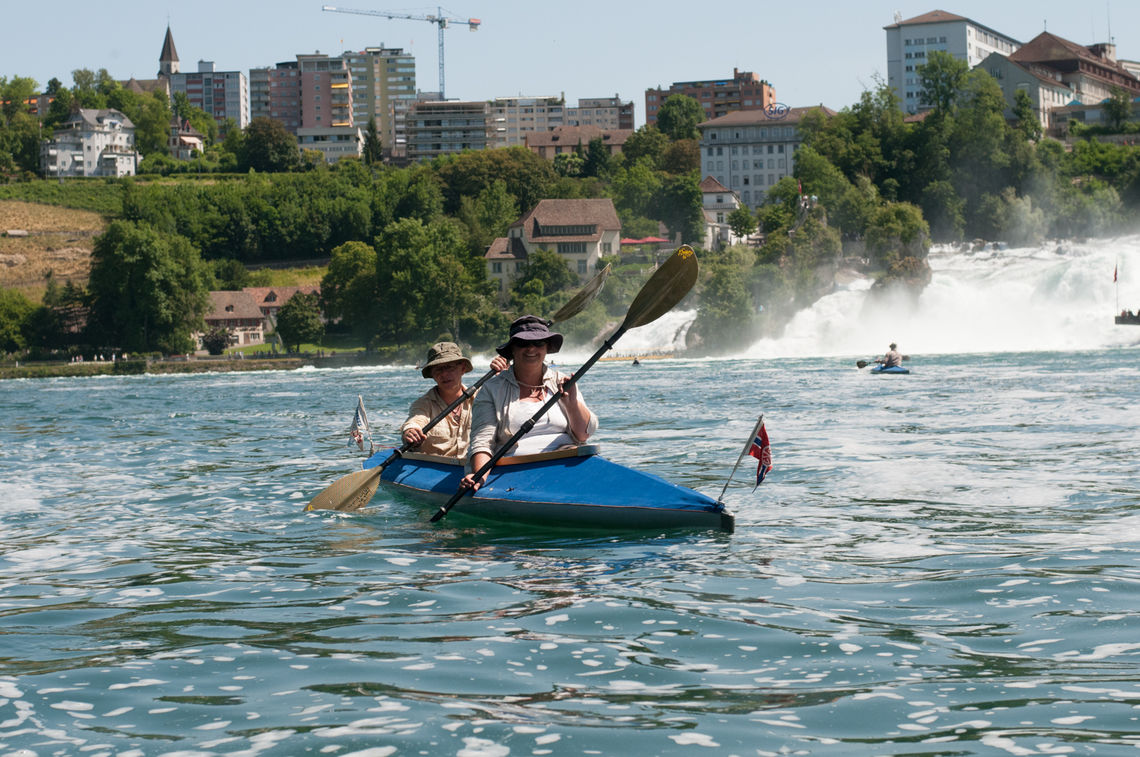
(168, 58)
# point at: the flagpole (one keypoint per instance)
(743, 452)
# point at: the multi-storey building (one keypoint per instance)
(718, 97)
(1091, 73)
(91, 143)
(580, 231)
(603, 112)
(383, 87)
(222, 94)
(312, 92)
(276, 93)
(909, 43)
(334, 142)
(443, 127)
(717, 204)
(749, 151)
(513, 118)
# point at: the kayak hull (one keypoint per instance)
(575, 488)
(898, 369)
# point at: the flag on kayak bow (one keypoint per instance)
(359, 428)
(760, 449)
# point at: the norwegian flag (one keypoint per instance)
(761, 449)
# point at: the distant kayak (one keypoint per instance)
(893, 369)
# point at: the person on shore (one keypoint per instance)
(511, 398)
(446, 365)
(892, 359)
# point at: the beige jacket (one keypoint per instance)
(449, 436)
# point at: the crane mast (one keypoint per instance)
(441, 21)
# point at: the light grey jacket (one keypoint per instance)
(490, 413)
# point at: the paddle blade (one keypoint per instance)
(583, 298)
(666, 287)
(351, 492)
(860, 363)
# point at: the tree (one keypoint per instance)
(569, 164)
(1118, 108)
(268, 147)
(679, 207)
(647, 142)
(373, 148)
(741, 221)
(724, 318)
(942, 77)
(348, 289)
(678, 117)
(597, 159)
(148, 289)
(217, 339)
(152, 123)
(1025, 117)
(14, 313)
(550, 269)
(299, 321)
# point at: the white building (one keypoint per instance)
(1045, 89)
(335, 142)
(717, 203)
(513, 118)
(910, 42)
(749, 151)
(91, 143)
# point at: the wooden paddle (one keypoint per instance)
(665, 288)
(353, 491)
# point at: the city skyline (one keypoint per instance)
(600, 51)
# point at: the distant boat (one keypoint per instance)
(1128, 317)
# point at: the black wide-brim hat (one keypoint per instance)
(531, 328)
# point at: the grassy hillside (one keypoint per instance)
(59, 240)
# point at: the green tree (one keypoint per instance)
(742, 222)
(199, 119)
(529, 177)
(678, 117)
(373, 147)
(941, 77)
(550, 269)
(896, 231)
(725, 315)
(682, 156)
(348, 289)
(679, 207)
(489, 215)
(148, 289)
(268, 147)
(1118, 108)
(569, 164)
(15, 310)
(19, 130)
(230, 274)
(299, 321)
(647, 142)
(597, 159)
(152, 123)
(1025, 116)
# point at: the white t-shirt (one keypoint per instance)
(550, 432)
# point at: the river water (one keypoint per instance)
(941, 563)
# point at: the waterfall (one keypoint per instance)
(1055, 297)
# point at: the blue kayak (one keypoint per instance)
(573, 487)
(893, 369)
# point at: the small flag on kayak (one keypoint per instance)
(359, 428)
(761, 449)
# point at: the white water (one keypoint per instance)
(1056, 297)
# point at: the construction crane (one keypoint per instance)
(439, 20)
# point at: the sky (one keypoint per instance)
(826, 52)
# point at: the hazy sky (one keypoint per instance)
(823, 52)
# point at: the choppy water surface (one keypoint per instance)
(941, 563)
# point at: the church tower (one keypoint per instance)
(168, 58)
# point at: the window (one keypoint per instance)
(496, 267)
(607, 247)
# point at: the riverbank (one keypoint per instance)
(181, 365)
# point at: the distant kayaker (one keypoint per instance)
(445, 364)
(513, 397)
(892, 359)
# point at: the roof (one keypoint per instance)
(712, 185)
(573, 135)
(598, 213)
(1050, 50)
(168, 52)
(506, 248)
(231, 305)
(931, 17)
(96, 118)
(761, 118)
(280, 295)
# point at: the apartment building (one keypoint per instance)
(514, 118)
(1091, 72)
(909, 43)
(91, 143)
(718, 97)
(222, 94)
(334, 142)
(565, 139)
(383, 87)
(312, 92)
(444, 127)
(748, 151)
(604, 112)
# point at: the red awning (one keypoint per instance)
(646, 240)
